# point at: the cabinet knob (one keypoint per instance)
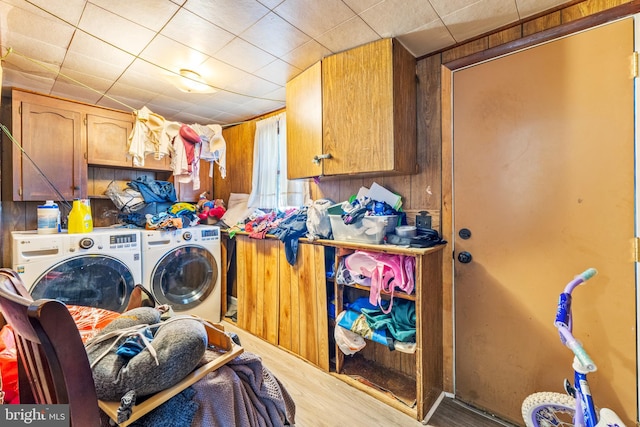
(317, 158)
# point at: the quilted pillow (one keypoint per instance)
(179, 345)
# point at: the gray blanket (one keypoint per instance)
(242, 393)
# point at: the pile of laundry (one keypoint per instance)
(144, 192)
(186, 145)
(288, 226)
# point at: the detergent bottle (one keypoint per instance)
(88, 219)
(80, 220)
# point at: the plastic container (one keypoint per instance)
(406, 231)
(48, 218)
(369, 229)
(80, 220)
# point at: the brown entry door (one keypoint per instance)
(543, 180)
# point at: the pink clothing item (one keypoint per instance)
(387, 272)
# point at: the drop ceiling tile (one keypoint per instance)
(151, 14)
(115, 30)
(229, 119)
(220, 74)
(252, 87)
(64, 11)
(396, 17)
(86, 80)
(432, 37)
(274, 35)
(270, 3)
(20, 25)
(244, 56)
(143, 75)
(263, 106)
(14, 78)
(479, 18)
(351, 33)
(226, 100)
(205, 109)
(171, 55)
(234, 16)
(531, 7)
(120, 103)
(28, 67)
(314, 17)
(172, 103)
(197, 33)
(94, 57)
(447, 7)
(359, 6)
(64, 89)
(306, 55)
(123, 92)
(195, 117)
(278, 72)
(34, 56)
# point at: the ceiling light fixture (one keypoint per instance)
(191, 82)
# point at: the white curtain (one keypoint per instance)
(270, 188)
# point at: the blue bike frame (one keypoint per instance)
(585, 413)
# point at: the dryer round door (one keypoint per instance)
(184, 277)
(90, 280)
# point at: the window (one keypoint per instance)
(270, 188)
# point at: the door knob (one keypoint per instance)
(465, 257)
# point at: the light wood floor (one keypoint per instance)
(323, 400)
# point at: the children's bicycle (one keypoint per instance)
(576, 408)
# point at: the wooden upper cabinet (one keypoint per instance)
(108, 141)
(51, 135)
(108, 138)
(304, 123)
(368, 114)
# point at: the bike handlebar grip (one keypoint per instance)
(588, 274)
(582, 355)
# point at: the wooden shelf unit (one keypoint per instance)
(410, 382)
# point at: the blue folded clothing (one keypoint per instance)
(134, 344)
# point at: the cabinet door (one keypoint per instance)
(303, 323)
(283, 304)
(304, 124)
(108, 139)
(54, 155)
(257, 273)
(362, 90)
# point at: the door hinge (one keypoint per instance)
(634, 65)
(636, 249)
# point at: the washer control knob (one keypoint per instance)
(187, 235)
(86, 243)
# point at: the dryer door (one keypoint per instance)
(184, 277)
(89, 280)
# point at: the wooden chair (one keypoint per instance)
(53, 367)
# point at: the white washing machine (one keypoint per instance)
(182, 269)
(96, 269)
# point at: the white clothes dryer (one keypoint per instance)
(182, 269)
(96, 269)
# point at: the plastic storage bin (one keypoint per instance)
(369, 229)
